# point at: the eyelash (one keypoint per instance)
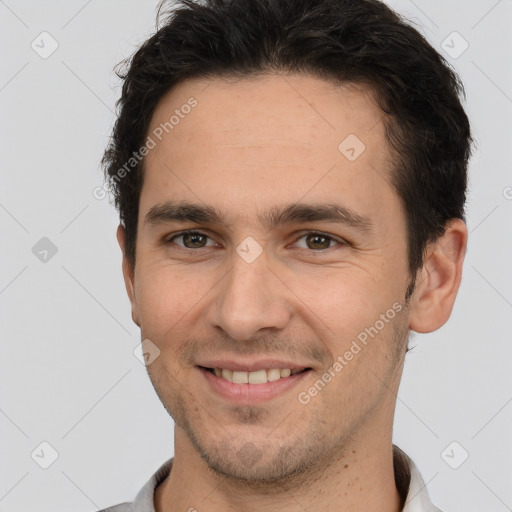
(340, 242)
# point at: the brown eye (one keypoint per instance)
(194, 240)
(191, 240)
(317, 241)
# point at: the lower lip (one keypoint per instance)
(252, 393)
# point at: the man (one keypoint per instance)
(290, 177)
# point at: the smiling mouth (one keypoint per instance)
(258, 377)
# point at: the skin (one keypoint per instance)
(250, 145)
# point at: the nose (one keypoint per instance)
(249, 299)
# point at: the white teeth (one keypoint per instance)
(257, 377)
(273, 374)
(227, 374)
(240, 377)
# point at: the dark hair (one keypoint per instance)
(344, 41)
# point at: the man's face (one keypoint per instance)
(297, 292)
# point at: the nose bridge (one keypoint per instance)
(251, 297)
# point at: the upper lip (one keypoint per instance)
(251, 366)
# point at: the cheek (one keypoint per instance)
(344, 300)
(165, 297)
(359, 312)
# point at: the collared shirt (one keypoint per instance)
(408, 480)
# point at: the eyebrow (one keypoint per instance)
(185, 211)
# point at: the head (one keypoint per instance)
(250, 123)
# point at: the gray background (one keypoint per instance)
(68, 374)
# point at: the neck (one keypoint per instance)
(361, 478)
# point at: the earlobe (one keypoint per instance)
(438, 281)
(128, 275)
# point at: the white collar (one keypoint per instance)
(408, 480)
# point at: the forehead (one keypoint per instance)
(265, 140)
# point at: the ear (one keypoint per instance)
(438, 281)
(128, 274)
